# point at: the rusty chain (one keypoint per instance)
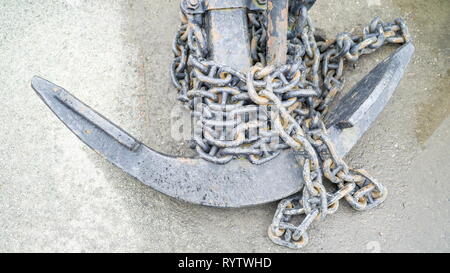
(289, 101)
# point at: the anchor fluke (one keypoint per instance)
(236, 184)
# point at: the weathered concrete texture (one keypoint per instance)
(57, 195)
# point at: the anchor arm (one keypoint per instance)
(239, 183)
(352, 116)
(236, 184)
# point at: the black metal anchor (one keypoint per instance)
(239, 183)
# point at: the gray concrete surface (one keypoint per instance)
(57, 195)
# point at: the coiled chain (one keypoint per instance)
(288, 101)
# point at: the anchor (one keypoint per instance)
(238, 183)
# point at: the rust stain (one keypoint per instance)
(277, 32)
(189, 161)
(433, 111)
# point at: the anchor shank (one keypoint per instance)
(228, 38)
(277, 31)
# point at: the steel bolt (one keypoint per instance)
(193, 4)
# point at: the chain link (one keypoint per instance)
(289, 101)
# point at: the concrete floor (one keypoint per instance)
(58, 195)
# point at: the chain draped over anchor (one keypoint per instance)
(290, 101)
